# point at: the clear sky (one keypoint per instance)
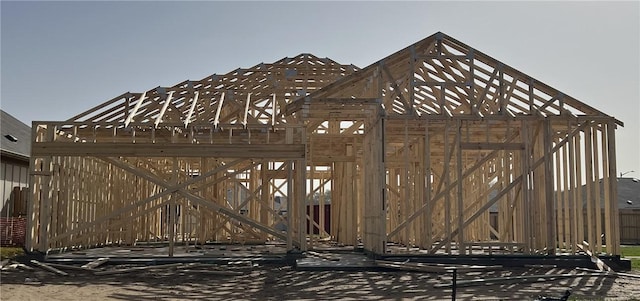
(61, 58)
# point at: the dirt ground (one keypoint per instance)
(284, 283)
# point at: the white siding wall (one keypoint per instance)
(11, 175)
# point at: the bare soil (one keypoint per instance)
(285, 283)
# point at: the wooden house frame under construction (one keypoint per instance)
(416, 149)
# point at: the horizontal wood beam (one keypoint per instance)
(469, 117)
(98, 149)
(491, 146)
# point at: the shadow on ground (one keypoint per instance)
(282, 282)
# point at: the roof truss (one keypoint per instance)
(254, 95)
(442, 76)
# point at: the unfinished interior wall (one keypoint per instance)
(122, 197)
(416, 151)
(528, 171)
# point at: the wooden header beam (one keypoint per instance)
(274, 151)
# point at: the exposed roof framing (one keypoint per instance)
(242, 96)
(416, 148)
(440, 75)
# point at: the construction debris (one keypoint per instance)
(323, 256)
(14, 266)
(610, 273)
(213, 272)
(530, 278)
(70, 267)
(94, 264)
(49, 268)
(433, 268)
(133, 269)
(599, 263)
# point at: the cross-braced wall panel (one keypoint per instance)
(91, 196)
(443, 176)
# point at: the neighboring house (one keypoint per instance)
(629, 208)
(629, 193)
(15, 146)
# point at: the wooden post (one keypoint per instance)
(606, 187)
(613, 190)
(548, 185)
(291, 215)
(374, 238)
(32, 201)
(460, 205)
(573, 212)
(406, 194)
(559, 196)
(568, 204)
(172, 207)
(310, 204)
(300, 196)
(45, 205)
(447, 182)
(526, 186)
(427, 195)
(588, 153)
(265, 195)
(579, 196)
(597, 243)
